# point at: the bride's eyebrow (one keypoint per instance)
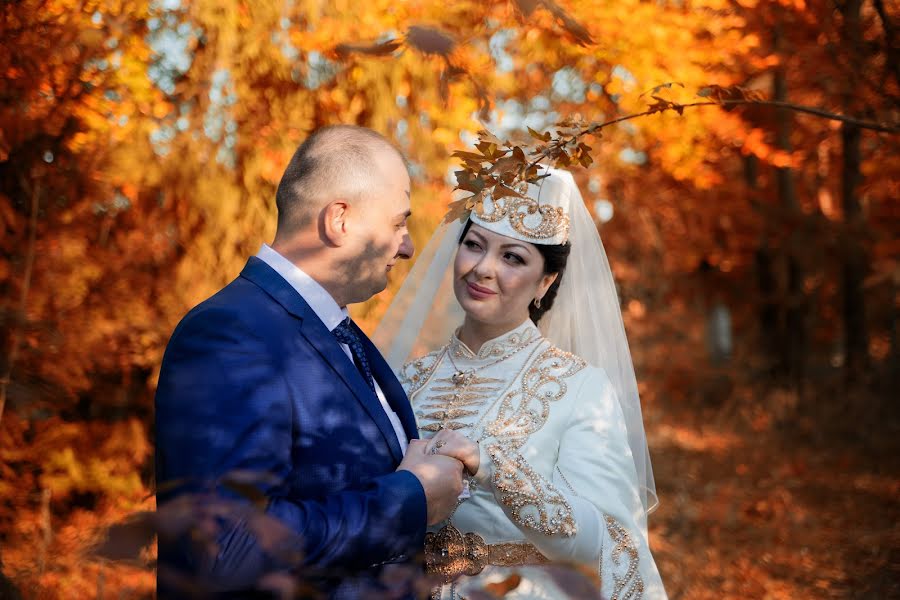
(519, 246)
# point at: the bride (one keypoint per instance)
(535, 393)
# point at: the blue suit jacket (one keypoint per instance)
(253, 381)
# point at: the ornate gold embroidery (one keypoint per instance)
(496, 348)
(534, 502)
(414, 374)
(629, 586)
(553, 219)
(524, 412)
(452, 399)
(450, 553)
(465, 389)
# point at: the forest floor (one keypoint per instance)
(758, 502)
(763, 495)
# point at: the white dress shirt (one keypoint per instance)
(325, 307)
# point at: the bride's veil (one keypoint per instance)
(424, 313)
(585, 319)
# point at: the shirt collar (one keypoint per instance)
(318, 298)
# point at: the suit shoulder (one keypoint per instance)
(240, 308)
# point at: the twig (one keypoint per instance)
(872, 125)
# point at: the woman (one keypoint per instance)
(547, 421)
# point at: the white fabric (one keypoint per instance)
(550, 191)
(585, 318)
(583, 444)
(331, 315)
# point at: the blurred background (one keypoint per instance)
(756, 249)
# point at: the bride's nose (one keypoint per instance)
(484, 268)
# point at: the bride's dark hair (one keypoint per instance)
(555, 259)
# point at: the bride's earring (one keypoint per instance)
(537, 303)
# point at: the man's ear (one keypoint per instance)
(334, 222)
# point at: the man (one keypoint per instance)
(269, 392)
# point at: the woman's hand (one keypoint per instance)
(454, 444)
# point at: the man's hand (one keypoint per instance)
(440, 476)
(454, 444)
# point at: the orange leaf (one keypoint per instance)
(501, 191)
(544, 137)
(501, 588)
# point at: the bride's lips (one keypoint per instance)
(479, 293)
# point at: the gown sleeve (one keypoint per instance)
(589, 511)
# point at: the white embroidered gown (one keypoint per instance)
(556, 472)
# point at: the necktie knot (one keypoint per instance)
(346, 335)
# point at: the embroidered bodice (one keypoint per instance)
(556, 469)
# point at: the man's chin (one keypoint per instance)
(369, 289)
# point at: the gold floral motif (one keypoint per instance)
(525, 411)
(508, 343)
(451, 553)
(414, 374)
(533, 501)
(554, 220)
(627, 586)
(454, 400)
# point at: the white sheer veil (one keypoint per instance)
(585, 319)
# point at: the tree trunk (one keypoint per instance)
(853, 269)
(793, 348)
(769, 329)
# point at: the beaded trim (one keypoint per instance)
(450, 553)
(533, 501)
(554, 220)
(415, 374)
(496, 348)
(627, 586)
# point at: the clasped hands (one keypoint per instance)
(438, 464)
(448, 442)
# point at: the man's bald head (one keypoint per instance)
(334, 162)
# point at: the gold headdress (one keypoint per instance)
(539, 216)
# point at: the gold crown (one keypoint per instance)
(524, 217)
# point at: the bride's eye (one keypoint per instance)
(514, 258)
(471, 245)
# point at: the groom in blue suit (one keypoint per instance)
(282, 435)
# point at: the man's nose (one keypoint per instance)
(407, 248)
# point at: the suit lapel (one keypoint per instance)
(318, 336)
(393, 391)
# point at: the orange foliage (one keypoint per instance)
(141, 143)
